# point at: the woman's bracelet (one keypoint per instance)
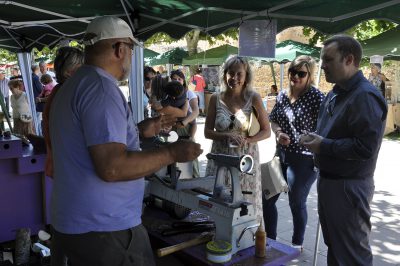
(278, 131)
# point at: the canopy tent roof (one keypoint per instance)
(288, 50)
(173, 56)
(386, 44)
(36, 23)
(285, 51)
(148, 55)
(214, 56)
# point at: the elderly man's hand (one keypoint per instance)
(311, 141)
(184, 150)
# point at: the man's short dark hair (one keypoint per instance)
(347, 45)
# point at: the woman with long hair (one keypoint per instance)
(187, 127)
(296, 111)
(67, 61)
(228, 122)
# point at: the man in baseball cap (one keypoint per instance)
(104, 28)
(98, 165)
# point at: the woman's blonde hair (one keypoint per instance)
(234, 60)
(309, 63)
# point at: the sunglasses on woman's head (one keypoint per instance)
(299, 73)
(232, 117)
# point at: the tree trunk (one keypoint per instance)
(192, 40)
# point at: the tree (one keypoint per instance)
(362, 31)
(6, 56)
(192, 39)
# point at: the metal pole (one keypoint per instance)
(136, 84)
(319, 225)
(273, 72)
(282, 73)
(24, 61)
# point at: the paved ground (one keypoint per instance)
(385, 237)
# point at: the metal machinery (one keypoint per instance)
(234, 218)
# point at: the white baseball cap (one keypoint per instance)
(103, 28)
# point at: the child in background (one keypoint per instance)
(22, 115)
(174, 96)
(48, 85)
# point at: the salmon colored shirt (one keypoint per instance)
(200, 83)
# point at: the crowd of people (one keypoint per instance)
(98, 167)
(43, 82)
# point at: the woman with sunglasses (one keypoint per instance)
(227, 124)
(295, 112)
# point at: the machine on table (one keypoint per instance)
(234, 218)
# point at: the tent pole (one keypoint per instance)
(136, 84)
(24, 61)
(254, 14)
(281, 75)
(272, 71)
(35, 9)
(315, 258)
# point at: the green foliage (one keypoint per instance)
(162, 37)
(159, 37)
(362, 31)
(46, 54)
(7, 56)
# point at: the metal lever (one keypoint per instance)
(244, 230)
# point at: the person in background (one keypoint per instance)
(149, 74)
(377, 78)
(346, 144)
(5, 91)
(37, 87)
(22, 114)
(48, 85)
(67, 61)
(44, 70)
(98, 186)
(187, 127)
(228, 121)
(175, 95)
(198, 79)
(274, 90)
(15, 74)
(158, 94)
(295, 111)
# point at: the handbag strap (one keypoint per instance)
(277, 150)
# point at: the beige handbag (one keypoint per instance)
(272, 179)
(254, 125)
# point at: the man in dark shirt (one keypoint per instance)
(349, 133)
(37, 89)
